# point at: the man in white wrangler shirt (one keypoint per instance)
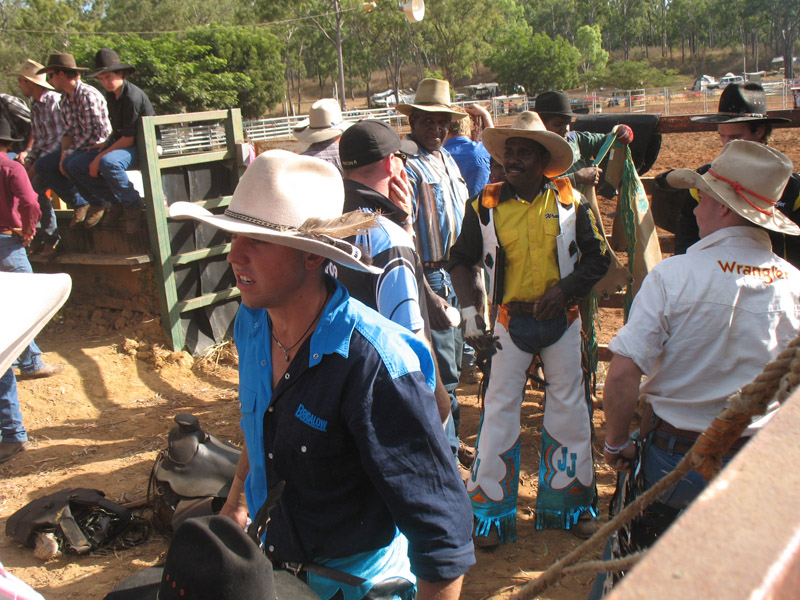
(704, 323)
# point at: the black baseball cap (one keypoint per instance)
(369, 141)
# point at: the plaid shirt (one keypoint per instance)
(85, 117)
(46, 124)
(327, 150)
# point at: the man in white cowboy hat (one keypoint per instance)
(703, 324)
(19, 212)
(543, 253)
(85, 117)
(439, 195)
(742, 115)
(336, 400)
(322, 129)
(46, 133)
(100, 172)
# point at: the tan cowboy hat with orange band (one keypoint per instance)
(747, 177)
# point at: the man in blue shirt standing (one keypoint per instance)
(336, 400)
(439, 197)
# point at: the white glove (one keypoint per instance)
(469, 316)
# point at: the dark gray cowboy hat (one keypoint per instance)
(553, 103)
(212, 558)
(5, 131)
(61, 62)
(741, 103)
(106, 61)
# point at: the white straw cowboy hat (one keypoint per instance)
(433, 95)
(529, 125)
(324, 122)
(28, 302)
(30, 71)
(747, 177)
(291, 200)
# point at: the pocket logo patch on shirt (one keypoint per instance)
(310, 419)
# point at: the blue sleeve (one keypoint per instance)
(396, 294)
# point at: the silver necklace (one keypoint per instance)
(286, 350)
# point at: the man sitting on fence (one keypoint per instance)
(100, 173)
(85, 117)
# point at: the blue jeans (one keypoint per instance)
(112, 184)
(47, 230)
(47, 167)
(448, 347)
(10, 416)
(13, 259)
(658, 462)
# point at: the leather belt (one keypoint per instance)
(436, 264)
(339, 576)
(681, 443)
(516, 309)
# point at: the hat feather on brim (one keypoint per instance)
(291, 200)
(303, 239)
(741, 177)
(529, 125)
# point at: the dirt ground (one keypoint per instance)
(101, 423)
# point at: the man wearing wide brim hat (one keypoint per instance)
(556, 112)
(46, 132)
(336, 400)
(742, 115)
(542, 252)
(85, 116)
(101, 172)
(703, 325)
(322, 129)
(439, 193)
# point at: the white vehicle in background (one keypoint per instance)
(704, 83)
(730, 78)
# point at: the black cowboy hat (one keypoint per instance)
(106, 61)
(5, 131)
(741, 103)
(61, 62)
(553, 103)
(212, 558)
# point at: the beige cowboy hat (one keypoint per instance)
(294, 201)
(30, 300)
(324, 122)
(31, 70)
(433, 95)
(529, 125)
(62, 62)
(747, 177)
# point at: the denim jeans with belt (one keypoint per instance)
(14, 259)
(448, 348)
(112, 184)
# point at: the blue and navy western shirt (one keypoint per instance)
(354, 431)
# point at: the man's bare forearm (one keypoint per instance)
(448, 589)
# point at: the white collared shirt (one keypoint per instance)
(705, 323)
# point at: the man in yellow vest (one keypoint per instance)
(543, 253)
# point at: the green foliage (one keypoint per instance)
(535, 61)
(628, 75)
(254, 53)
(589, 40)
(178, 75)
